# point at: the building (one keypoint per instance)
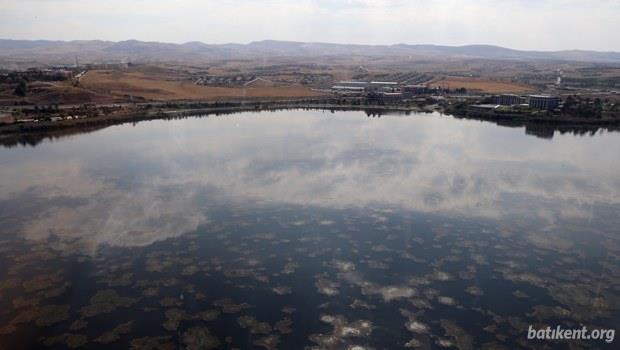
(350, 87)
(390, 96)
(383, 84)
(509, 100)
(412, 90)
(544, 102)
(366, 86)
(344, 89)
(363, 84)
(484, 108)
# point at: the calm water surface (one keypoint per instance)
(308, 229)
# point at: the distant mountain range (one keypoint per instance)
(59, 52)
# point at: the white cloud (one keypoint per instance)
(524, 24)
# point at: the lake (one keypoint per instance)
(308, 229)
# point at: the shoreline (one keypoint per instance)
(565, 121)
(144, 114)
(542, 126)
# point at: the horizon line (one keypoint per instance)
(309, 42)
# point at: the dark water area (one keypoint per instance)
(309, 230)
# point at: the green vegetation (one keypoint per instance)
(578, 107)
(21, 89)
(32, 75)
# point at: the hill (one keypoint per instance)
(64, 52)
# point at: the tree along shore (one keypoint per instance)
(89, 117)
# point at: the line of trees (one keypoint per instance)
(578, 107)
(21, 89)
(29, 76)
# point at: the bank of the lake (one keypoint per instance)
(103, 116)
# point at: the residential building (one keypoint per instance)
(544, 102)
(509, 100)
(417, 90)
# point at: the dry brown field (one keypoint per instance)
(60, 92)
(481, 84)
(162, 88)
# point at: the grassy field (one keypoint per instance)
(481, 84)
(162, 88)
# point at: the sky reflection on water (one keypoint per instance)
(379, 232)
(134, 185)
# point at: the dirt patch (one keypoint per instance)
(154, 87)
(481, 84)
(50, 93)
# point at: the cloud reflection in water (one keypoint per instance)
(137, 185)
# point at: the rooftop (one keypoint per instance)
(543, 96)
(353, 82)
(343, 87)
(487, 106)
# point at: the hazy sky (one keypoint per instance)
(521, 24)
